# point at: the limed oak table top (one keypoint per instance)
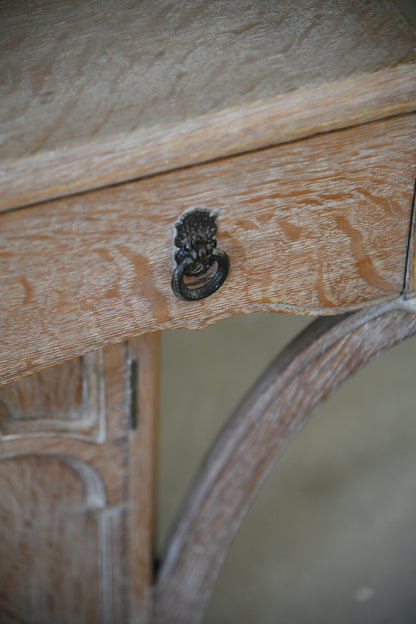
(94, 93)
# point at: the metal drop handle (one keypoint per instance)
(196, 253)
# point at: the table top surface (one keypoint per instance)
(93, 95)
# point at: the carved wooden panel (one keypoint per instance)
(76, 510)
(64, 400)
(56, 542)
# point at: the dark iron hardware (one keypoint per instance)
(197, 254)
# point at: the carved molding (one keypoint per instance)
(61, 552)
(67, 400)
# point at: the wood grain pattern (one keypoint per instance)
(95, 521)
(307, 372)
(142, 476)
(92, 96)
(49, 542)
(67, 400)
(76, 515)
(317, 226)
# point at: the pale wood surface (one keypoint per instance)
(63, 513)
(142, 475)
(93, 95)
(48, 573)
(68, 399)
(305, 374)
(318, 226)
(76, 513)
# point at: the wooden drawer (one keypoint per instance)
(113, 125)
(318, 226)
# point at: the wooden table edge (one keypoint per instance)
(150, 151)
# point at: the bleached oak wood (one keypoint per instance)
(76, 511)
(142, 475)
(92, 96)
(317, 226)
(68, 400)
(47, 572)
(105, 457)
(306, 373)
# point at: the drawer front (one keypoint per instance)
(318, 226)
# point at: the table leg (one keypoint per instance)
(76, 489)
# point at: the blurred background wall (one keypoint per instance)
(331, 536)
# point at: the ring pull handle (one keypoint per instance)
(197, 255)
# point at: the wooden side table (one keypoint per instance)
(167, 165)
